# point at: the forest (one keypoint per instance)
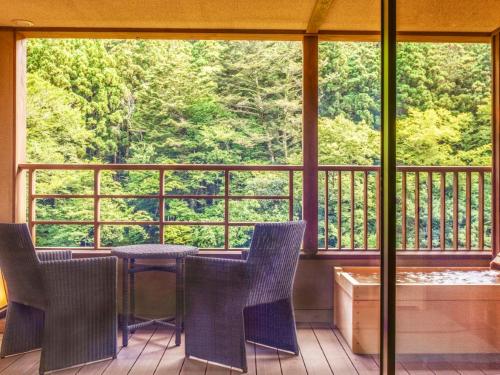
(236, 102)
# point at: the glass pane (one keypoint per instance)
(349, 158)
(448, 306)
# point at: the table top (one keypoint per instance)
(153, 251)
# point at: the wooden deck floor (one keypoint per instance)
(323, 351)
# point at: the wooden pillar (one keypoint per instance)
(495, 191)
(310, 141)
(388, 195)
(12, 126)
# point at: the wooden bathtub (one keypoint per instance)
(431, 318)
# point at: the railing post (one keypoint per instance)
(226, 209)
(310, 141)
(32, 204)
(495, 180)
(97, 208)
(161, 206)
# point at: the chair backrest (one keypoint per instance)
(273, 258)
(20, 266)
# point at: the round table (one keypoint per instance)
(129, 255)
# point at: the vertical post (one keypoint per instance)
(377, 210)
(365, 210)
(290, 195)
(495, 180)
(327, 209)
(417, 211)
(353, 244)
(20, 129)
(388, 209)
(481, 212)
(468, 211)
(442, 212)
(226, 209)
(12, 126)
(339, 210)
(455, 211)
(429, 210)
(310, 141)
(97, 209)
(403, 212)
(32, 204)
(161, 206)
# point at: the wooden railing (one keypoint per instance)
(349, 203)
(459, 216)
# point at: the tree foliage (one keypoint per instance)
(142, 101)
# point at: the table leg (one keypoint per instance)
(179, 300)
(125, 305)
(132, 293)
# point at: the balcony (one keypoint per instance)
(384, 219)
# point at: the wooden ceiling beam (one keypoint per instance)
(243, 34)
(318, 15)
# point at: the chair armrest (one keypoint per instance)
(81, 283)
(45, 256)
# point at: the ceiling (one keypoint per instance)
(413, 15)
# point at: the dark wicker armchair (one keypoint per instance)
(230, 301)
(66, 307)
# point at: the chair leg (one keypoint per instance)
(272, 324)
(23, 329)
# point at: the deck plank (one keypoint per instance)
(465, 364)
(28, 364)
(150, 357)
(172, 360)
(69, 371)
(414, 364)
(127, 356)
(8, 361)
(365, 365)
(490, 364)
(193, 367)
(439, 365)
(213, 369)
(335, 354)
(268, 362)
(292, 364)
(314, 359)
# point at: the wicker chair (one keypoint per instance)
(66, 307)
(230, 301)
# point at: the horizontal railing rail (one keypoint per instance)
(440, 207)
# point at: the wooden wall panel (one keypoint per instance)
(7, 121)
(496, 143)
(12, 125)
